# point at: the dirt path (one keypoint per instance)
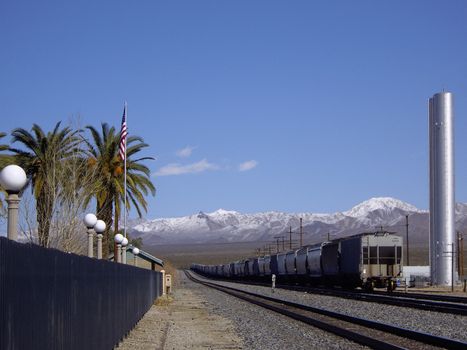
(184, 323)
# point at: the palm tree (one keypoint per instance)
(41, 160)
(4, 158)
(3, 147)
(108, 183)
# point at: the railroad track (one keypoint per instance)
(430, 302)
(446, 298)
(369, 333)
(437, 303)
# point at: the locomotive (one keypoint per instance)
(366, 260)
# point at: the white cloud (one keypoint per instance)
(185, 152)
(247, 165)
(179, 169)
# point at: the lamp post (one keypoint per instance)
(99, 227)
(13, 179)
(90, 221)
(118, 239)
(124, 244)
(135, 253)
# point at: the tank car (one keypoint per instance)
(261, 266)
(281, 270)
(254, 269)
(290, 265)
(330, 263)
(267, 266)
(301, 264)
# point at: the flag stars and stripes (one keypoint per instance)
(123, 133)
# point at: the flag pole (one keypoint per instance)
(124, 176)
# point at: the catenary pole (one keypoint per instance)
(301, 232)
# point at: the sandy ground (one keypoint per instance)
(185, 322)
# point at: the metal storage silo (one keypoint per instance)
(442, 221)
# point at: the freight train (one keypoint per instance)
(367, 260)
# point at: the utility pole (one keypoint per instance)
(407, 237)
(301, 232)
(460, 256)
(277, 244)
(290, 238)
(283, 241)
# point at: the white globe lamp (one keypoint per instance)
(100, 226)
(135, 253)
(90, 220)
(118, 238)
(124, 244)
(13, 179)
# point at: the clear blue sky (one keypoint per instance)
(324, 104)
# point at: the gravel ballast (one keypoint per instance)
(440, 324)
(263, 329)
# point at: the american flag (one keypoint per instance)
(123, 133)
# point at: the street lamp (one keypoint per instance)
(99, 227)
(13, 179)
(90, 221)
(118, 239)
(124, 244)
(135, 253)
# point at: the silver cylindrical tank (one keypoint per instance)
(442, 210)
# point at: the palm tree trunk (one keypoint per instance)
(105, 213)
(44, 203)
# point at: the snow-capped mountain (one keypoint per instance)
(231, 226)
(385, 204)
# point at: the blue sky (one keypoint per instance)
(320, 104)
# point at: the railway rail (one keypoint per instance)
(428, 296)
(369, 333)
(438, 303)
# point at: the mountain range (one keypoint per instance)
(231, 226)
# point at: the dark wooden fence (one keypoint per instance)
(54, 300)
